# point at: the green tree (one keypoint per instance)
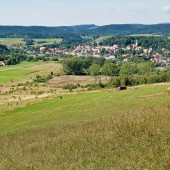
(94, 70)
(145, 68)
(73, 66)
(128, 69)
(110, 69)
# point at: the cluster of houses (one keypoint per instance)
(108, 52)
(159, 59)
(87, 50)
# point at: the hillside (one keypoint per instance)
(83, 30)
(89, 131)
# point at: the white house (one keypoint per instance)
(111, 58)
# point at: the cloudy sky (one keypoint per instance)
(75, 12)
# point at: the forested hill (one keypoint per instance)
(84, 30)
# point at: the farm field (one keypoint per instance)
(89, 130)
(11, 41)
(26, 71)
(41, 42)
(100, 39)
(82, 80)
(37, 42)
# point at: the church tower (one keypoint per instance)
(136, 43)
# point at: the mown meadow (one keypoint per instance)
(26, 70)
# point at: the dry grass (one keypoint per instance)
(138, 140)
(82, 80)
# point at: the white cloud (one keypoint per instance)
(166, 8)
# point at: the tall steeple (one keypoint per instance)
(136, 43)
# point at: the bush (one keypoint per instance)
(71, 87)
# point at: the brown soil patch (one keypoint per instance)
(82, 80)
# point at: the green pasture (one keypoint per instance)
(12, 41)
(79, 107)
(100, 39)
(37, 42)
(41, 42)
(17, 72)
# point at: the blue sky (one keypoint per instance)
(76, 12)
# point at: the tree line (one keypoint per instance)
(101, 66)
(128, 73)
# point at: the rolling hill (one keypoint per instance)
(84, 30)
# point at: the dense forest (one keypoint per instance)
(154, 42)
(82, 30)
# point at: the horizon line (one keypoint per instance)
(82, 25)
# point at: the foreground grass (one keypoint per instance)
(99, 130)
(81, 107)
(138, 140)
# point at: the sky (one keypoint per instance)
(77, 12)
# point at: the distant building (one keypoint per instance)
(136, 43)
(2, 63)
(111, 58)
(42, 49)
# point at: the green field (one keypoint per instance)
(24, 71)
(100, 39)
(11, 41)
(37, 42)
(82, 106)
(41, 42)
(17, 72)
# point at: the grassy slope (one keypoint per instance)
(128, 140)
(48, 41)
(24, 70)
(100, 39)
(11, 41)
(81, 106)
(17, 41)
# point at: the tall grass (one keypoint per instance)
(138, 140)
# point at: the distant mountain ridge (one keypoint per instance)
(88, 30)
